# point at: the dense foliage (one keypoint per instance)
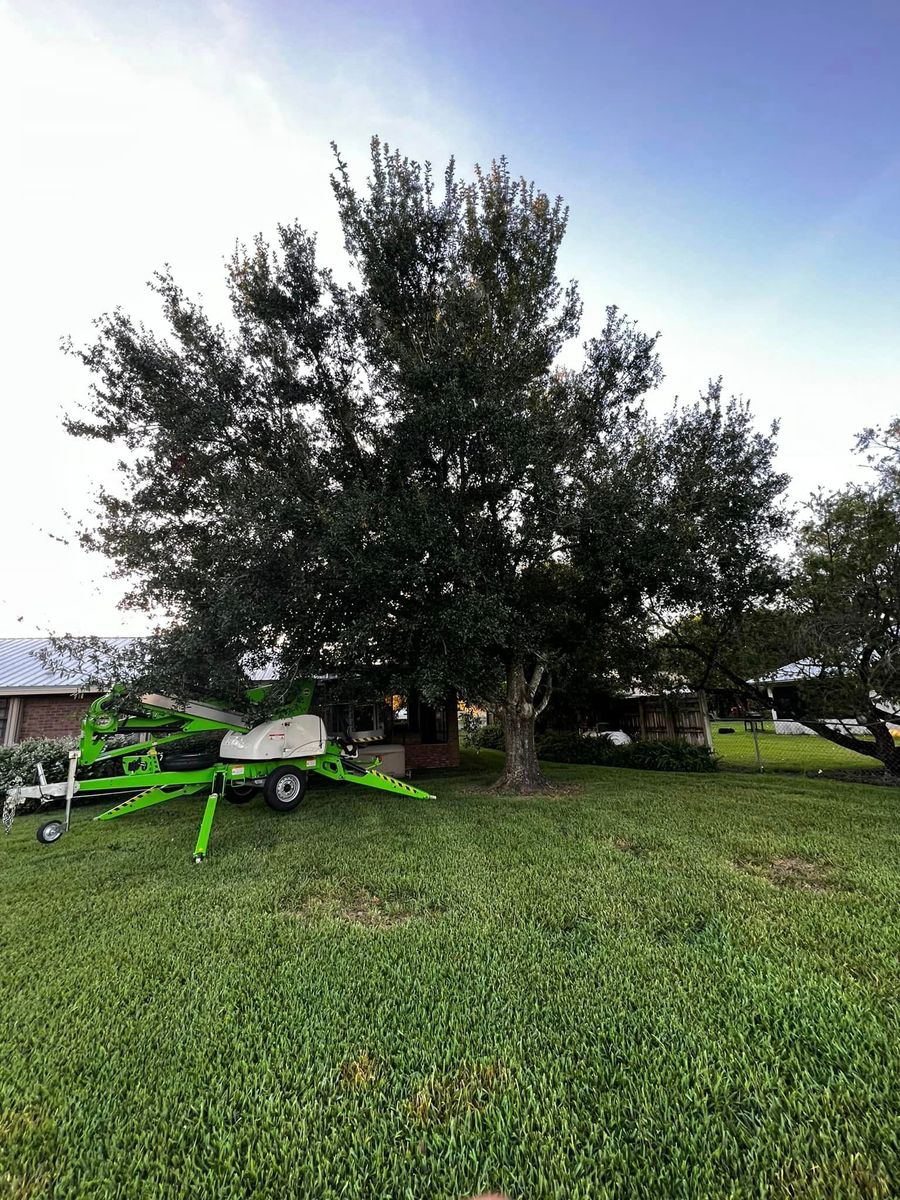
(484, 737)
(397, 474)
(847, 594)
(18, 764)
(663, 755)
(835, 622)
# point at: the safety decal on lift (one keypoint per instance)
(393, 781)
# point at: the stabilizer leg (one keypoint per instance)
(156, 795)
(334, 767)
(206, 824)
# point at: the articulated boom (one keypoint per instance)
(274, 757)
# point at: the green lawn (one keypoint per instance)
(610, 992)
(784, 751)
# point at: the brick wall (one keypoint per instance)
(432, 754)
(51, 716)
(437, 754)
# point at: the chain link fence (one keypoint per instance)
(757, 743)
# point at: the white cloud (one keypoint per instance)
(126, 149)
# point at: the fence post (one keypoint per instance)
(755, 732)
(704, 718)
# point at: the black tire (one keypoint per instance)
(240, 793)
(284, 789)
(199, 761)
(50, 832)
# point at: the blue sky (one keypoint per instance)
(733, 173)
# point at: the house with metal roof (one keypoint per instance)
(35, 700)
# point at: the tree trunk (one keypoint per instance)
(888, 750)
(892, 766)
(522, 773)
(885, 749)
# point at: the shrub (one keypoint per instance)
(562, 746)
(483, 737)
(492, 737)
(668, 756)
(18, 764)
(645, 756)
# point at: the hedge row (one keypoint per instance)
(644, 756)
(569, 747)
(18, 765)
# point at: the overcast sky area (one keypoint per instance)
(733, 172)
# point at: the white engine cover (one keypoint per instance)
(289, 737)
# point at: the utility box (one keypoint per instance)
(393, 758)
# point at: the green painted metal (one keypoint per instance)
(206, 824)
(139, 761)
(160, 779)
(154, 795)
(297, 703)
(333, 766)
(165, 726)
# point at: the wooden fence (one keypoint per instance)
(657, 718)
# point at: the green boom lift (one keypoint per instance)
(274, 757)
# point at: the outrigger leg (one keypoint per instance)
(154, 795)
(333, 766)
(208, 813)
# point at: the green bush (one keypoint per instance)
(492, 737)
(668, 756)
(483, 737)
(644, 756)
(562, 746)
(18, 764)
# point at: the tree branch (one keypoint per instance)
(847, 740)
(548, 692)
(535, 682)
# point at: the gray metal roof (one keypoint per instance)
(793, 672)
(21, 669)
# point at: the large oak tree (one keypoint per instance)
(393, 471)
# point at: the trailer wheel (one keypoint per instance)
(284, 789)
(50, 831)
(240, 793)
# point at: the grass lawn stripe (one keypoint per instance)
(644, 985)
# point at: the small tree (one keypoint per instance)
(836, 613)
(847, 594)
(398, 474)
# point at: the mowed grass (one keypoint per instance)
(644, 985)
(784, 751)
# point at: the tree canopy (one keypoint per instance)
(834, 616)
(394, 471)
(847, 594)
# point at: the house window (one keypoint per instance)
(336, 718)
(4, 718)
(433, 722)
(415, 721)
